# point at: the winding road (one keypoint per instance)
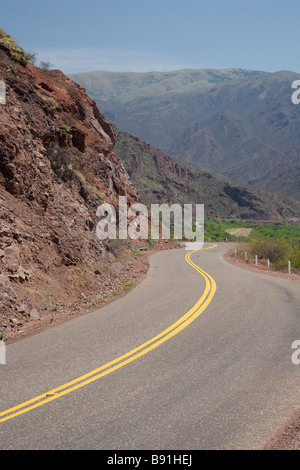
(198, 356)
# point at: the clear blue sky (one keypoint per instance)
(148, 35)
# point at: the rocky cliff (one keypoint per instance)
(56, 166)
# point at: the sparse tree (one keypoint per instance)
(32, 57)
(46, 65)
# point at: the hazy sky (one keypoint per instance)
(161, 35)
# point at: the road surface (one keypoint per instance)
(192, 358)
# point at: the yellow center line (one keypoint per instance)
(174, 329)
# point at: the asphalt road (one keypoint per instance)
(220, 378)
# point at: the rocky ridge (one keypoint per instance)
(56, 166)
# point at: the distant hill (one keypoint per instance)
(118, 88)
(160, 178)
(236, 123)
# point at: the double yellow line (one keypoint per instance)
(183, 322)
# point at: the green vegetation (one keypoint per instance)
(19, 57)
(65, 128)
(127, 286)
(279, 242)
(91, 189)
(279, 252)
(101, 296)
(16, 52)
(218, 230)
(97, 193)
(2, 336)
(150, 243)
(277, 231)
(60, 162)
(137, 253)
(51, 303)
(62, 165)
(49, 100)
(215, 230)
(80, 176)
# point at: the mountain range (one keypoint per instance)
(236, 123)
(160, 178)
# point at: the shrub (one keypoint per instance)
(16, 52)
(279, 252)
(65, 128)
(31, 57)
(60, 162)
(46, 65)
(269, 249)
(49, 100)
(293, 255)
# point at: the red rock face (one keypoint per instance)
(56, 166)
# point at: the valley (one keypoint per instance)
(234, 123)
